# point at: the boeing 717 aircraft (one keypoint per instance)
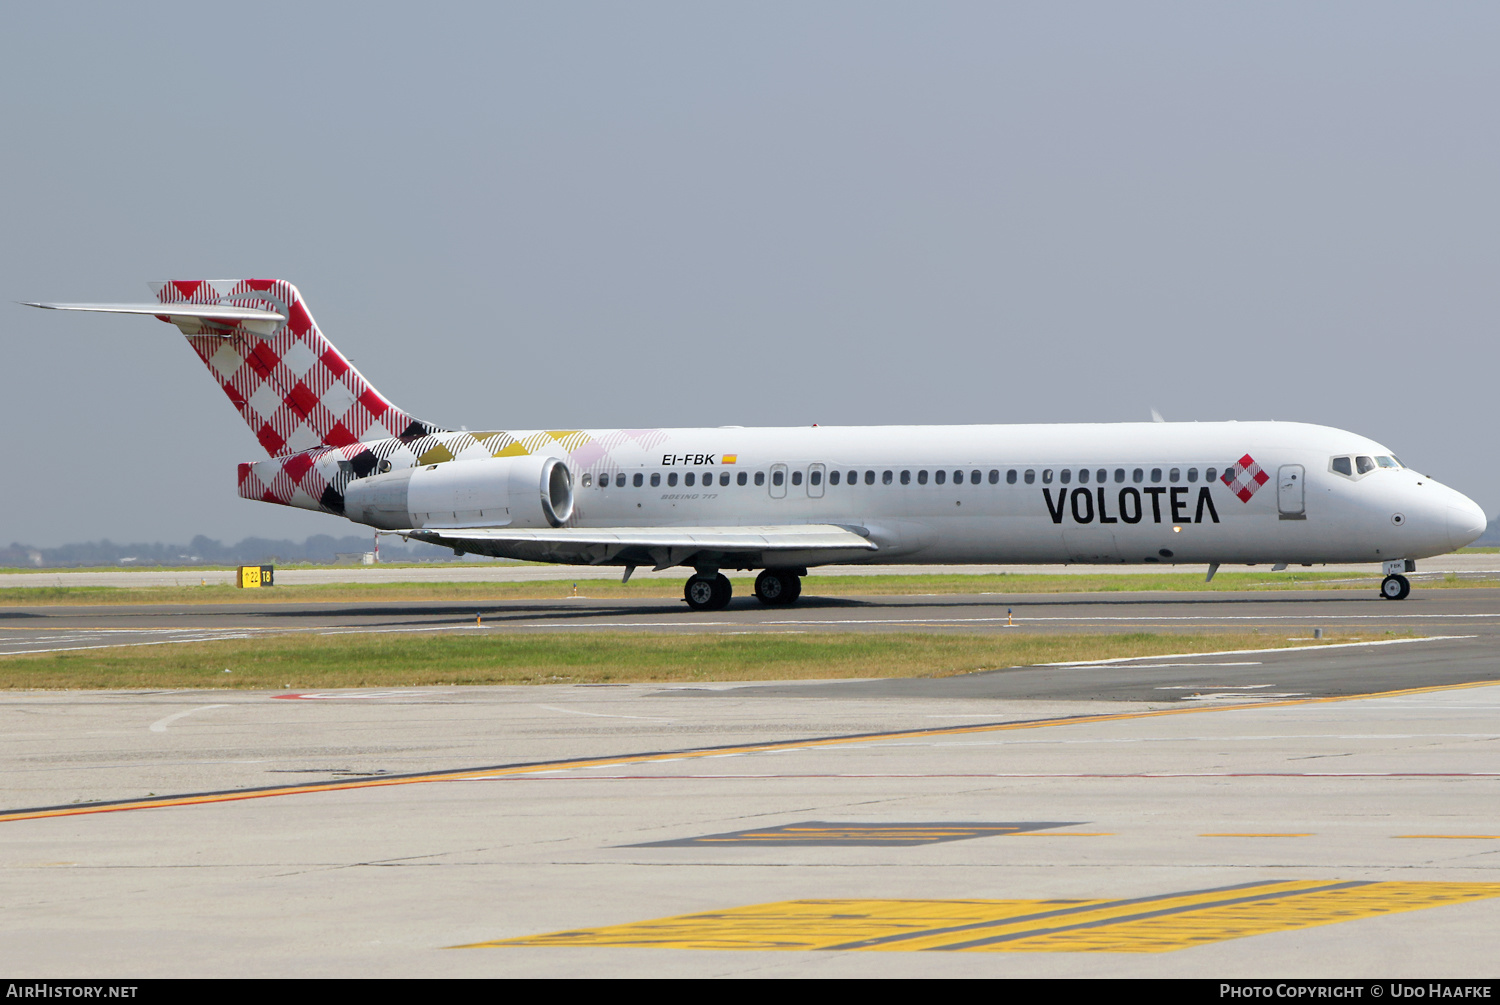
(784, 499)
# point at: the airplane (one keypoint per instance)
(782, 500)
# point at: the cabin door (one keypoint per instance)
(1291, 500)
(815, 476)
(778, 481)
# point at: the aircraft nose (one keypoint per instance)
(1466, 521)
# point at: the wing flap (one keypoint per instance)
(664, 546)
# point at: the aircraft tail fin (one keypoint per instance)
(292, 387)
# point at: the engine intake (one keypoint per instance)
(494, 492)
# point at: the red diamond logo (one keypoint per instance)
(297, 466)
(338, 436)
(1244, 478)
(302, 400)
(270, 439)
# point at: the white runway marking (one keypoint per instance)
(160, 725)
(601, 715)
(1221, 687)
(1089, 664)
(1001, 620)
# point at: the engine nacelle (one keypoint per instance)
(494, 492)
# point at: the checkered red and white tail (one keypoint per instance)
(293, 388)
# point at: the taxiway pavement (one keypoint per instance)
(1214, 815)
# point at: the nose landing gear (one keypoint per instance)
(1396, 586)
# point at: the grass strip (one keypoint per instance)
(608, 589)
(305, 661)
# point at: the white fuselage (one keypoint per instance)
(1128, 492)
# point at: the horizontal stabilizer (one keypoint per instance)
(192, 314)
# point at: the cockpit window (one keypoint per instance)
(1364, 465)
(1387, 462)
(1342, 466)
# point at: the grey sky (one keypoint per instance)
(580, 215)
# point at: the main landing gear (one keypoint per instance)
(778, 586)
(1396, 586)
(709, 590)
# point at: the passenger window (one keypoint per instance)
(1364, 465)
(1208, 475)
(688, 479)
(1101, 476)
(1156, 474)
(833, 478)
(723, 477)
(639, 479)
(1137, 476)
(1030, 475)
(994, 476)
(1342, 466)
(958, 478)
(942, 476)
(777, 477)
(708, 478)
(1046, 476)
(976, 476)
(1063, 476)
(796, 478)
(1119, 474)
(1083, 476)
(1010, 477)
(885, 479)
(656, 479)
(671, 479)
(869, 478)
(906, 478)
(815, 477)
(588, 480)
(922, 477)
(854, 478)
(1192, 474)
(760, 477)
(1174, 476)
(740, 478)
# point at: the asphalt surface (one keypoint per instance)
(474, 570)
(1280, 819)
(1462, 627)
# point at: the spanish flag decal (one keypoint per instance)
(731, 458)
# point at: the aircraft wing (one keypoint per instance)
(662, 547)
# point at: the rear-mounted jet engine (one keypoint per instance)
(497, 492)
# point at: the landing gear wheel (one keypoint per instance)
(1395, 588)
(708, 593)
(793, 588)
(775, 587)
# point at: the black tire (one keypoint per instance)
(770, 588)
(708, 593)
(777, 587)
(1395, 588)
